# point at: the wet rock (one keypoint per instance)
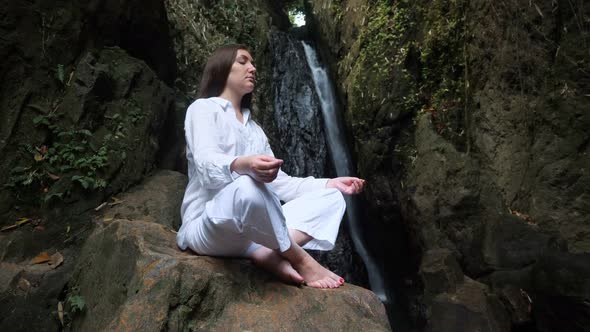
(301, 140)
(297, 110)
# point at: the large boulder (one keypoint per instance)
(132, 277)
(157, 199)
(31, 288)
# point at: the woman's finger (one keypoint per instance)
(268, 163)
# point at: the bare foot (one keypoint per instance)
(316, 275)
(271, 261)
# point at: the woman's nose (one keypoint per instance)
(252, 69)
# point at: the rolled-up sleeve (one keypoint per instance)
(212, 165)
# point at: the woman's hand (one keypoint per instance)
(261, 168)
(347, 185)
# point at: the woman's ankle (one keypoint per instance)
(295, 254)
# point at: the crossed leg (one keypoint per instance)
(295, 265)
(247, 212)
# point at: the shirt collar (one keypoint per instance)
(225, 104)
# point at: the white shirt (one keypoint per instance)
(215, 138)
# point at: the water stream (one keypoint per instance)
(343, 164)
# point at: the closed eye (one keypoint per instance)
(244, 60)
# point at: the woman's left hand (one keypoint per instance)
(347, 185)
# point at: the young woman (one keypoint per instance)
(232, 204)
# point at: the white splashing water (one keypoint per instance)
(343, 165)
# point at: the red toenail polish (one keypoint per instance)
(341, 280)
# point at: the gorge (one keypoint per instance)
(468, 119)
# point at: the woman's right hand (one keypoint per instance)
(261, 168)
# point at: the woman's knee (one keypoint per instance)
(250, 191)
(335, 196)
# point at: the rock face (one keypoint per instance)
(85, 103)
(471, 119)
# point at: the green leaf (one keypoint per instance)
(60, 73)
(76, 302)
(40, 119)
(51, 195)
(85, 132)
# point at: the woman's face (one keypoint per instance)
(242, 75)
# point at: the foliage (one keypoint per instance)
(59, 73)
(76, 303)
(443, 68)
(231, 19)
(295, 8)
(68, 157)
(378, 81)
(408, 59)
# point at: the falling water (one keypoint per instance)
(343, 165)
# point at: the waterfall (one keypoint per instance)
(343, 164)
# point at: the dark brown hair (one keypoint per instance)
(217, 71)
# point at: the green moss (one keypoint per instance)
(443, 67)
(408, 58)
(379, 69)
(380, 88)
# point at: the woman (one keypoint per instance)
(232, 206)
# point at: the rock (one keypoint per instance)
(30, 294)
(440, 272)
(518, 304)
(157, 199)
(132, 277)
(478, 140)
(510, 243)
(297, 111)
(469, 308)
(561, 286)
(71, 76)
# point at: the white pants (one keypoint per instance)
(247, 214)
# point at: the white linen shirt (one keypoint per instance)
(215, 138)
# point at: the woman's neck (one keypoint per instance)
(235, 100)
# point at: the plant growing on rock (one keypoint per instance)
(51, 169)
